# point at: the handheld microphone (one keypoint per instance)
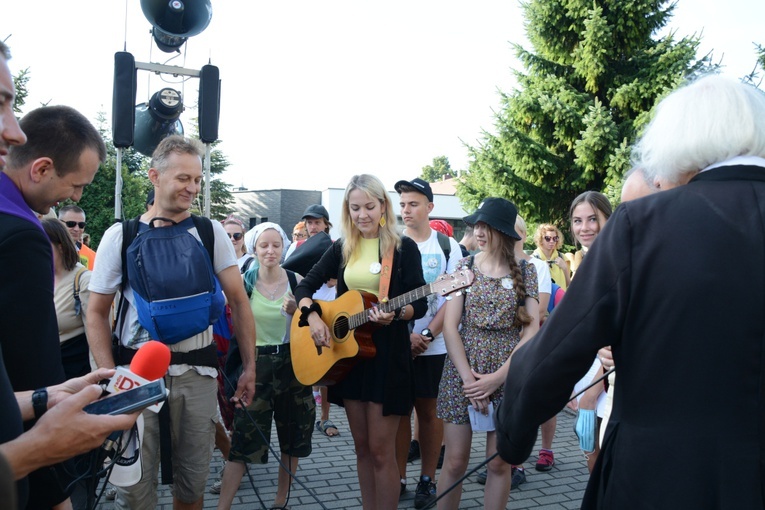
(149, 364)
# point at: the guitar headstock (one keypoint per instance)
(447, 284)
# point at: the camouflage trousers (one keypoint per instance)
(278, 396)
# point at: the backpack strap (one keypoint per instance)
(129, 233)
(206, 234)
(292, 279)
(446, 246)
(76, 291)
(247, 264)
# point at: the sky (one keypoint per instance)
(315, 92)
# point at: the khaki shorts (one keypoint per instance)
(193, 413)
(278, 397)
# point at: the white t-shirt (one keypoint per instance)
(544, 281)
(107, 277)
(241, 261)
(434, 264)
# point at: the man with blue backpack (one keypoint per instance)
(170, 268)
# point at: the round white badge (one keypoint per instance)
(375, 267)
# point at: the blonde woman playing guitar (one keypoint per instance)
(377, 391)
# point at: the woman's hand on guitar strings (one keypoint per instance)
(375, 315)
(319, 331)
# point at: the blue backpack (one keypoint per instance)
(176, 292)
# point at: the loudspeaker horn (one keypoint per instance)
(176, 20)
(157, 119)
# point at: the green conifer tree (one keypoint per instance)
(595, 70)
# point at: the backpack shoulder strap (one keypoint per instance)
(292, 279)
(76, 284)
(76, 291)
(129, 233)
(206, 234)
(247, 264)
(446, 247)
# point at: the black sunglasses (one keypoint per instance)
(548, 238)
(72, 224)
(237, 236)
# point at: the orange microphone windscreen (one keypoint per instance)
(151, 360)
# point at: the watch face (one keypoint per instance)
(426, 332)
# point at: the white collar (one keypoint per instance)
(738, 160)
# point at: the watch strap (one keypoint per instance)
(40, 402)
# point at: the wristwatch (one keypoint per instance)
(40, 402)
(427, 333)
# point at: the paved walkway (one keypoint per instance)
(330, 472)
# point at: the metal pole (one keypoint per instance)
(118, 186)
(208, 152)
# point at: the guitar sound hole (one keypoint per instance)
(340, 329)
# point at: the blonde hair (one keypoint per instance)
(520, 226)
(547, 227)
(375, 190)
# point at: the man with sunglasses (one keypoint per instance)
(74, 218)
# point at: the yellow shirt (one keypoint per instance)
(555, 272)
(364, 272)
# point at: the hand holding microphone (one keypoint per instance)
(149, 364)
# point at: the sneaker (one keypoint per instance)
(425, 493)
(519, 477)
(111, 493)
(546, 460)
(403, 487)
(215, 487)
(441, 457)
(414, 451)
(482, 477)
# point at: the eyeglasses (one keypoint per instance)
(72, 224)
(299, 236)
(554, 238)
(237, 236)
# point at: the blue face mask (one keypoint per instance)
(585, 429)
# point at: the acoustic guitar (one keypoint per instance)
(351, 329)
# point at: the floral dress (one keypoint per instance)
(488, 335)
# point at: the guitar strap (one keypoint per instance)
(385, 273)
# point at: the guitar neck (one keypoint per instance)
(361, 318)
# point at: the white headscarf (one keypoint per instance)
(251, 239)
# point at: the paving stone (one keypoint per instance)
(330, 474)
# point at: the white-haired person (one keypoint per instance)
(378, 391)
(688, 352)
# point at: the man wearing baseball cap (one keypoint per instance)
(440, 254)
(316, 220)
